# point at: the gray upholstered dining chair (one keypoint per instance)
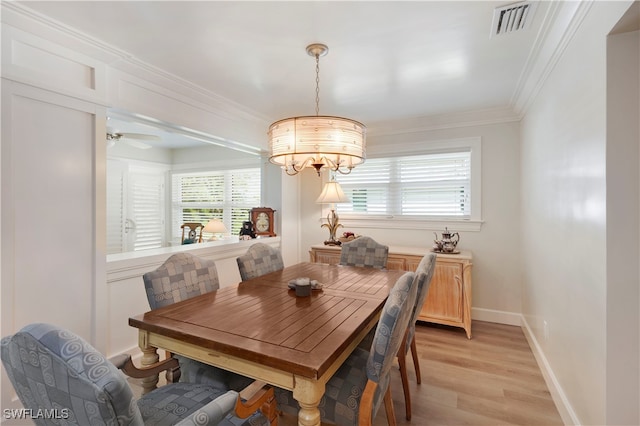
(355, 392)
(57, 372)
(424, 273)
(259, 259)
(364, 251)
(181, 277)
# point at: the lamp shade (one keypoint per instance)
(319, 142)
(332, 193)
(215, 226)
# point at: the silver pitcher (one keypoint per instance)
(448, 242)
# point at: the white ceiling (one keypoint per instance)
(387, 60)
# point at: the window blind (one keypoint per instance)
(433, 185)
(135, 207)
(227, 195)
(147, 210)
(115, 206)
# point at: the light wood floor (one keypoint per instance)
(492, 379)
(489, 380)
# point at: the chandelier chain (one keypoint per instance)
(317, 84)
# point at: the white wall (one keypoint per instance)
(564, 219)
(496, 247)
(623, 212)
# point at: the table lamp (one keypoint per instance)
(332, 193)
(215, 226)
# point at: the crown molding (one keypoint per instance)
(561, 22)
(443, 121)
(22, 16)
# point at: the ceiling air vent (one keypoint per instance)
(512, 18)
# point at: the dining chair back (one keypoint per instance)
(181, 277)
(364, 251)
(356, 391)
(259, 259)
(57, 373)
(424, 273)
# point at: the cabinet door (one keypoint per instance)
(412, 262)
(396, 263)
(331, 257)
(444, 300)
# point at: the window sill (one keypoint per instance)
(390, 222)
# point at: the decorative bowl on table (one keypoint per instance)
(347, 236)
(299, 285)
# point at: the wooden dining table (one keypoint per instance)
(259, 328)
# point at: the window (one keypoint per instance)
(135, 207)
(227, 195)
(420, 185)
(430, 187)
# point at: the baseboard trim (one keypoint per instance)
(565, 409)
(558, 395)
(500, 317)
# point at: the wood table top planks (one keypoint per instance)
(261, 320)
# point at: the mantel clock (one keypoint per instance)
(262, 218)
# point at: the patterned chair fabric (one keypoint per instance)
(424, 273)
(364, 251)
(341, 403)
(55, 370)
(259, 259)
(181, 277)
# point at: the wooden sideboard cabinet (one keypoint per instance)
(449, 298)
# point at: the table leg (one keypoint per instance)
(149, 357)
(308, 394)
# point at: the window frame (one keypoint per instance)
(473, 223)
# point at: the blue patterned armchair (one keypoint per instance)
(424, 273)
(259, 259)
(364, 251)
(355, 392)
(56, 372)
(181, 277)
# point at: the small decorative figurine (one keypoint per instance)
(247, 232)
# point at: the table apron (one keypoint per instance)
(228, 362)
(273, 376)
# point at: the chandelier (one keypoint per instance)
(317, 141)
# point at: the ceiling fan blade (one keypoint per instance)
(136, 144)
(140, 136)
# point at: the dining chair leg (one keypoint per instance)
(388, 407)
(416, 362)
(402, 362)
(172, 375)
